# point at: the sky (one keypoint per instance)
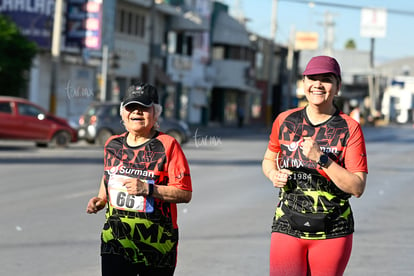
(293, 16)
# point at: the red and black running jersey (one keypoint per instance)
(143, 230)
(309, 190)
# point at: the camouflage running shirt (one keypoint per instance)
(309, 190)
(143, 230)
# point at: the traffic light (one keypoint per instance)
(114, 61)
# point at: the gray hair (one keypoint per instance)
(157, 113)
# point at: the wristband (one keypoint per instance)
(150, 189)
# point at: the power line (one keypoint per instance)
(344, 6)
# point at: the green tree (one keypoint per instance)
(350, 44)
(16, 55)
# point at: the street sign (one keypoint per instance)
(373, 22)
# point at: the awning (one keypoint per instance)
(229, 31)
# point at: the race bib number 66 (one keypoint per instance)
(120, 199)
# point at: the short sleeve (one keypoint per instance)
(356, 154)
(178, 168)
(274, 144)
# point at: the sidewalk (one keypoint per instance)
(390, 132)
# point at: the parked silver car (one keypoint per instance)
(101, 120)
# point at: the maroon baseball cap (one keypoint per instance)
(322, 65)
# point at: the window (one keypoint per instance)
(189, 42)
(259, 60)
(121, 21)
(138, 26)
(28, 110)
(5, 107)
(218, 52)
(172, 42)
(142, 25)
(180, 43)
(233, 53)
(130, 23)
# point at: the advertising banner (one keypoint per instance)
(83, 24)
(306, 40)
(34, 19)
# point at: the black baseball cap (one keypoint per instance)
(141, 93)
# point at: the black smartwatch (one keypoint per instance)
(150, 189)
(323, 160)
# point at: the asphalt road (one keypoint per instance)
(225, 230)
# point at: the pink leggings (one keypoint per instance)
(299, 257)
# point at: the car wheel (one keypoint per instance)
(60, 140)
(176, 135)
(103, 136)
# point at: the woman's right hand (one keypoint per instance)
(95, 204)
(279, 178)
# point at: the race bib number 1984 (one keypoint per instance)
(120, 199)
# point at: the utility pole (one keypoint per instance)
(329, 33)
(151, 66)
(290, 58)
(55, 51)
(238, 12)
(372, 80)
(270, 74)
(104, 72)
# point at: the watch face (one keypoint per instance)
(323, 160)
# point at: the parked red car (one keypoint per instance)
(21, 119)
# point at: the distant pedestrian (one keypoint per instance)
(316, 155)
(146, 175)
(355, 111)
(356, 114)
(240, 116)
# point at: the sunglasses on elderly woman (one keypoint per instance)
(134, 106)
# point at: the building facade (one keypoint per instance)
(203, 62)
